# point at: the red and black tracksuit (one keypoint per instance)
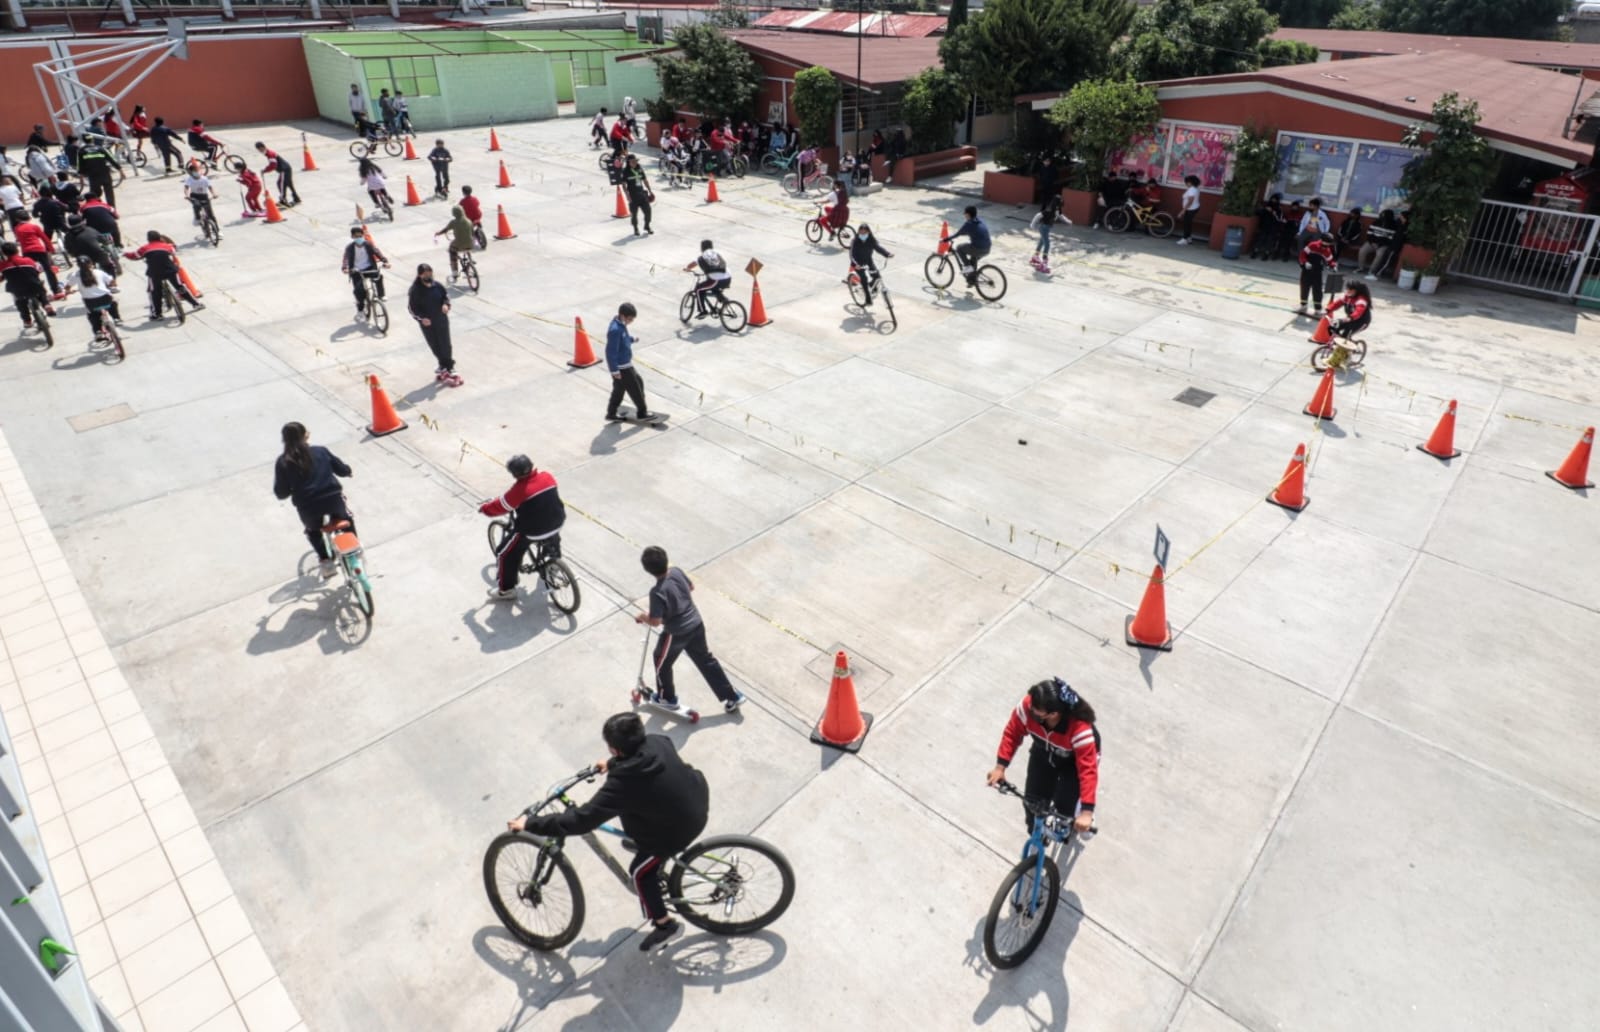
(1314, 257)
(277, 163)
(24, 280)
(1357, 314)
(1063, 765)
(539, 515)
(161, 266)
(34, 243)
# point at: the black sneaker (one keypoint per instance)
(660, 934)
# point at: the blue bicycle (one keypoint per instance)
(1022, 909)
(728, 884)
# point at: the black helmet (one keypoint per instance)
(1052, 696)
(519, 466)
(74, 219)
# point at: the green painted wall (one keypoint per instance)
(495, 87)
(331, 75)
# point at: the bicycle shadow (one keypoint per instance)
(335, 621)
(629, 991)
(21, 343)
(98, 357)
(1045, 972)
(362, 329)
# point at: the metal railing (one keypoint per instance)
(43, 987)
(1529, 248)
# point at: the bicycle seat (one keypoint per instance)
(331, 528)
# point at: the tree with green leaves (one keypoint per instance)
(1102, 115)
(1276, 52)
(957, 16)
(1176, 39)
(1304, 14)
(933, 102)
(1516, 19)
(1255, 163)
(1445, 183)
(730, 14)
(1012, 47)
(1358, 16)
(816, 101)
(708, 73)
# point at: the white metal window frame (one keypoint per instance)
(1346, 177)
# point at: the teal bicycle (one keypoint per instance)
(727, 884)
(342, 543)
(1023, 907)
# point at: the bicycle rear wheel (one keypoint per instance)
(355, 575)
(138, 158)
(561, 585)
(534, 892)
(233, 163)
(791, 183)
(939, 270)
(990, 283)
(479, 241)
(731, 884)
(1161, 224)
(380, 316)
(734, 317)
(114, 338)
(1020, 913)
(172, 299)
(43, 322)
(359, 149)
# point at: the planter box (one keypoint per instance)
(920, 166)
(1415, 255)
(1078, 205)
(1220, 224)
(880, 168)
(1008, 188)
(652, 134)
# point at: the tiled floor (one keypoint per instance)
(166, 945)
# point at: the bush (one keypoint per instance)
(1255, 163)
(933, 102)
(816, 101)
(707, 73)
(1445, 183)
(1101, 115)
(661, 111)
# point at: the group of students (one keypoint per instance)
(393, 111)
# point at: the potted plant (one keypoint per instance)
(1255, 164)
(1100, 115)
(662, 113)
(1408, 276)
(1444, 184)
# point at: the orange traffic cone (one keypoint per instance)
(413, 199)
(582, 350)
(411, 152)
(621, 210)
(505, 177)
(1322, 402)
(273, 214)
(944, 231)
(494, 141)
(1148, 628)
(711, 191)
(1574, 473)
(188, 284)
(1442, 444)
(384, 418)
(1323, 333)
(361, 216)
(308, 163)
(366, 234)
(1291, 490)
(843, 725)
(758, 310)
(504, 232)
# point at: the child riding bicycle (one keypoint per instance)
(978, 245)
(715, 269)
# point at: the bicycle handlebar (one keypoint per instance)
(1036, 808)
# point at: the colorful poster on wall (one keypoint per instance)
(1147, 153)
(1302, 163)
(1197, 151)
(1375, 178)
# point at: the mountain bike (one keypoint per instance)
(726, 884)
(732, 163)
(40, 320)
(553, 572)
(987, 280)
(1159, 223)
(815, 228)
(816, 179)
(377, 139)
(341, 542)
(732, 313)
(862, 287)
(377, 311)
(1021, 911)
(469, 269)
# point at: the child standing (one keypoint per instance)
(1048, 216)
(1190, 206)
(1314, 258)
(673, 610)
(251, 184)
(440, 159)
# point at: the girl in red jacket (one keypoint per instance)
(1351, 312)
(1064, 761)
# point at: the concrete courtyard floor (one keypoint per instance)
(1359, 793)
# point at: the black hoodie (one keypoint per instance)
(662, 801)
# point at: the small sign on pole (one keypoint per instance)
(1163, 546)
(753, 269)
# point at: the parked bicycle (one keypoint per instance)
(377, 311)
(818, 226)
(817, 179)
(773, 162)
(553, 572)
(1119, 220)
(1022, 909)
(675, 171)
(726, 884)
(377, 138)
(864, 282)
(987, 280)
(341, 542)
(732, 313)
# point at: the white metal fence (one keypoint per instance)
(1536, 249)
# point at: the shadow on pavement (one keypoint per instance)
(1044, 973)
(335, 621)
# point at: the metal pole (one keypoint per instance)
(861, 7)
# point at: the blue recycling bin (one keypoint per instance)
(1233, 242)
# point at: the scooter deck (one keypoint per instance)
(648, 701)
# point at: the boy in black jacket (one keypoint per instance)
(663, 803)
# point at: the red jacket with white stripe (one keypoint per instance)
(1072, 736)
(1355, 307)
(535, 502)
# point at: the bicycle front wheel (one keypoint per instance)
(770, 163)
(1117, 220)
(731, 884)
(479, 241)
(846, 234)
(534, 892)
(43, 322)
(858, 289)
(814, 230)
(471, 272)
(213, 234)
(734, 317)
(1161, 224)
(1021, 912)
(686, 308)
(561, 585)
(939, 270)
(380, 316)
(791, 183)
(172, 299)
(990, 283)
(393, 148)
(498, 529)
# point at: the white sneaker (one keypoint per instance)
(496, 595)
(329, 568)
(1183, 243)
(734, 703)
(1372, 276)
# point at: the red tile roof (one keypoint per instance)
(875, 24)
(885, 61)
(1520, 51)
(1523, 107)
